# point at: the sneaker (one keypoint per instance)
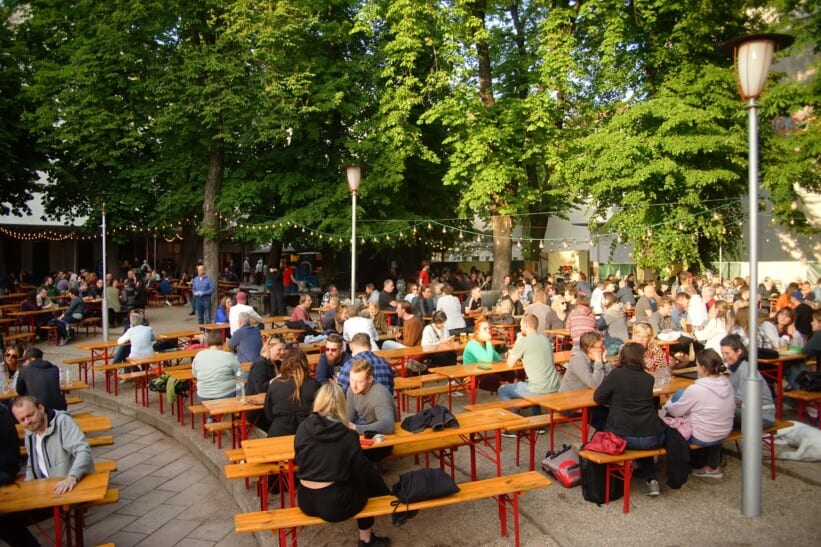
(375, 541)
(192, 313)
(62, 342)
(168, 303)
(541, 431)
(651, 488)
(509, 434)
(708, 472)
(812, 412)
(457, 393)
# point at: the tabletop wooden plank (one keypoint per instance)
(39, 494)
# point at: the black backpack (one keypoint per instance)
(808, 381)
(594, 476)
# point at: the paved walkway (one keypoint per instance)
(173, 493)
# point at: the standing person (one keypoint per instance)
(453, 309)
(735, 356)
(202, 287)
(536, 354)
(709, 406)
(74, 314)
(55, 444)
(246, 270)
(215, 370)
(335, 477)
(246, 341)
(628, 392)
(411, 334)
(331, 360)
(288, 283)
(41, 379)
(112, 297)
(290, 396)
(274, 286)
(423, 279)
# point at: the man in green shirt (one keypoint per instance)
(536, 353)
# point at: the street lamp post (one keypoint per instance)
(104, 303)
(752, 57)
(354, 176)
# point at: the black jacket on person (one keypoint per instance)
(283, 413)
(41, 379)
(328, 451)
(9, 447)
(628, 391)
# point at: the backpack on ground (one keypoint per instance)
(563, 464)
(594, 476)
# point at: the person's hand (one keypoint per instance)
(65, 485)
(352, 426)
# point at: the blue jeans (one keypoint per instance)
(202, 305)
(208, 418)
(646, 465)
(519, 390)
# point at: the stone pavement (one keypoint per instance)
(173, 492)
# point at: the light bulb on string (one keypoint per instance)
(519, 244)
(541, 245)
(794, 205)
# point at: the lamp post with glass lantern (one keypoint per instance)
(354, 175)
(752, 56)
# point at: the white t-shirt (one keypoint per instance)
(453, 309)
(233, 315)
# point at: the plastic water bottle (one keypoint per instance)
(240, 387)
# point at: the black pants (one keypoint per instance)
(709, 455)
(342, 500)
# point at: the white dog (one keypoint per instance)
(806, 439)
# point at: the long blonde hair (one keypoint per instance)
(330, 402)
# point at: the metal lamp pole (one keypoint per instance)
(104, 311)
(753, 56)
(354, 176)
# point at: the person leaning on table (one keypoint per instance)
(335, 477)
(13, 526)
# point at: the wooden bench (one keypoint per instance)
(805, 399)
(505, 489)
(105, 465)
(111, 375)
(100, 440)
(430, 394)
(25, 339)
(216, 429)
(52, 333)
(89, 323)
(620, 465)
(73, 400)
(198, 410)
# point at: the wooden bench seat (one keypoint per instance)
(73, 400)
(89, 324)
(105, 465)
(429, 394)
(101, 440)
(620, 465)
(216, 429)
(506, 489)
(25, 339)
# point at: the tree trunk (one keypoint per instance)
(502, 248)
(210, 222)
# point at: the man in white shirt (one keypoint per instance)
(453, 309)
(238, 308)
(355, 324)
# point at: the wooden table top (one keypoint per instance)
(215, 326)
(164, 356)
(231, 405)
(96, 346)
(558, 332)
(39, 494)
(75, 385)
(280, 330)
(475, 369)
(277, 449)
(88, 423)
(30, 313)
(583, 398)
(178, 334)
(398, 353)
(784, 357)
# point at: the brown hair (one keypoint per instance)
(631, 354)
(711, 361)
(360, 365)
(294, 365)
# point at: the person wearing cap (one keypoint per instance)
(241, 307)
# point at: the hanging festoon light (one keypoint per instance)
(752, 56)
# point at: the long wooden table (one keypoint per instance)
(232, 405)
(39, 494)
(146, 362)
(471, 427)
(773, 370)
(582, 399)
(65, 388)
(88, 423)
(29, 317)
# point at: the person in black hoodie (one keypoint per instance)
(335, 477)
(628, 391)
(41, 379)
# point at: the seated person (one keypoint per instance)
(264, 369)
(223, 310)
(536, 354)
(215, 370)
(246, 340)
(74, 314)
(586, 370)
(290, 396)
(479, 349)
(411, 334)
(709, 406)
(335, 477)
(628, 391)
(436, 333)
(40, 379)
(137, 341)
(370, 406)
(360, 349)
(654, 356)
(331, 360)
(735, 356)
(55, 444)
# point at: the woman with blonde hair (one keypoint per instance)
(335, 477)
(719, 323)
(290, 395)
